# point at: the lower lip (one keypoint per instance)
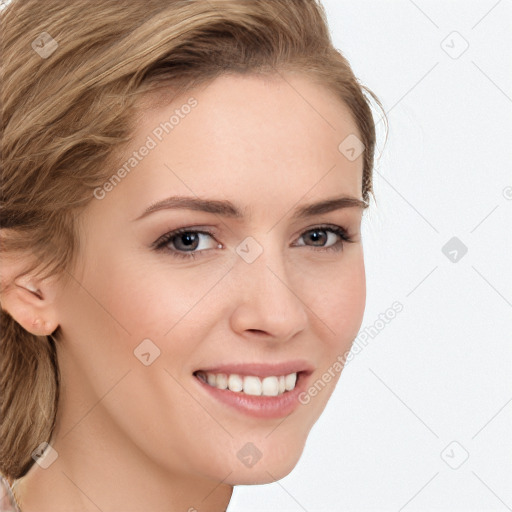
(259, 406)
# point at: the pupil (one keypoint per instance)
(315, 237)
(188, 239)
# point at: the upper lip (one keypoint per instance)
(260, 369)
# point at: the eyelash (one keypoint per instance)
(161, 244)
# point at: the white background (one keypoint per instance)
(441, 370)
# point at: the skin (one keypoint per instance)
(133, 437)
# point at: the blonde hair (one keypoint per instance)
(67, 109)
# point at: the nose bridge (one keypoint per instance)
(266, 298)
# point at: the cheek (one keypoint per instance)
(352, 300)
(149, 296)
(336, 296)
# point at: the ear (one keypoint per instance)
(28, 299)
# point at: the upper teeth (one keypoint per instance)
(249, 384)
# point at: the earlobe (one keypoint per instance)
(41, 327)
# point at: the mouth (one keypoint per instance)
(265, 391)
(272, 385)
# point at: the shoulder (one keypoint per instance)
(7, 501)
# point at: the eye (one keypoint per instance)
(326, 238)
(185, 242)
(189, 243)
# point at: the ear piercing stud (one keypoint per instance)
(38, 324)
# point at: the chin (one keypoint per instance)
(268, 465)
(260, 475)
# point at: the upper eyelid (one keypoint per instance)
(212, 232)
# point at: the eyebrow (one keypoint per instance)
(228, 209)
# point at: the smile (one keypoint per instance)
(258, 390)
(250, 384)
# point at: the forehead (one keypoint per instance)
(244, 137)
(243, 109)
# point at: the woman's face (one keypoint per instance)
(266, 293)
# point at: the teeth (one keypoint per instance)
(249, 384)
(270, 386)
(282, 386)
(252, 386)
(235, 382)
(222, 381)
(289, 381)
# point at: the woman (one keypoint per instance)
(183, 189)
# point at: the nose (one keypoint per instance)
(267, 302)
